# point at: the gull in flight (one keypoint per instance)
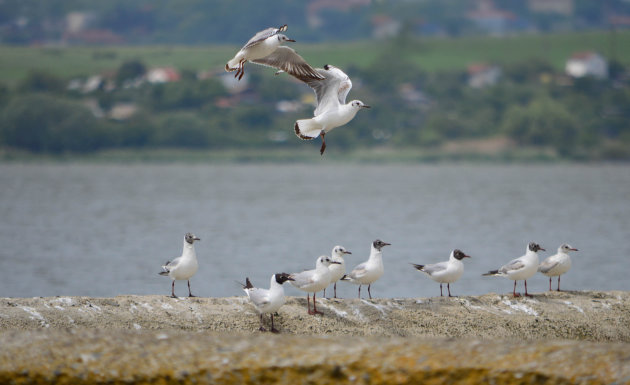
(312, 281)
(369, 271)
(184, 267)
(337, 270)
(557, 264)
(445, 272)
(265, 48)
(521, 268)
(267, 300)
(332, 110)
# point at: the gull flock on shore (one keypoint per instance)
(328, 268)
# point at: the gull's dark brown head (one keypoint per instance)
(283, 277)
(459, 255)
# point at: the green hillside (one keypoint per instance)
(429, 54)
(424, 102)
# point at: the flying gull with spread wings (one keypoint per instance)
(265, 48)
(332, 110)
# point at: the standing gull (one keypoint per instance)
(312, 281)
(332, 110)
(520, 268)
(368, 272)
(337, 270)
(445, 272)
(557, 264)
(267, 300)
(184, 267)
(264, 48)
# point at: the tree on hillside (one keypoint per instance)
(38, 81)
(43, 123)
(130, 70)
(543, 122)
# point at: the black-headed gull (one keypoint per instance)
(445, 272)
(521, 268)
(265, 48)
(312, 281)
(184, 267)
(369, 271)
(267, 300)
(337, 270)
(332, 110)
(557, 264)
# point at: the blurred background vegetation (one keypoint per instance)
(460, 79)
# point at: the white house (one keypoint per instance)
(483, 75)
(582, 64)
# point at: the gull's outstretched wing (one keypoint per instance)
(332, 90)
(287, 60)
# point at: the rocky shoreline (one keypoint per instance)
(566, 337)
(583, 315)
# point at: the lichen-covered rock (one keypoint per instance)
(85, 356)
(591, 316)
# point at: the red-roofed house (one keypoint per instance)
(490, 18)
(384, 26)
(163, 75)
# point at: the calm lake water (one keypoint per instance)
(104, 230)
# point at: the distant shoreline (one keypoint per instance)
(377, 155)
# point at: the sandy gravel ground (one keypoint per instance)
(592, 316)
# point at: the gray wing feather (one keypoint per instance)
(344, 89)
(434, 268)
(331, 90)
(358, 271)
(289, 61)
(302, 279)
(258, 296)
(547, 265)
(320, 86)
(261, 36)
(172, 263)
(515, 264)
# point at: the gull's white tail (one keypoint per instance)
(307, 129)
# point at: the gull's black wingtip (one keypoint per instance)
(419, 267)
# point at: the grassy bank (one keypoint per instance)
(430, 54)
